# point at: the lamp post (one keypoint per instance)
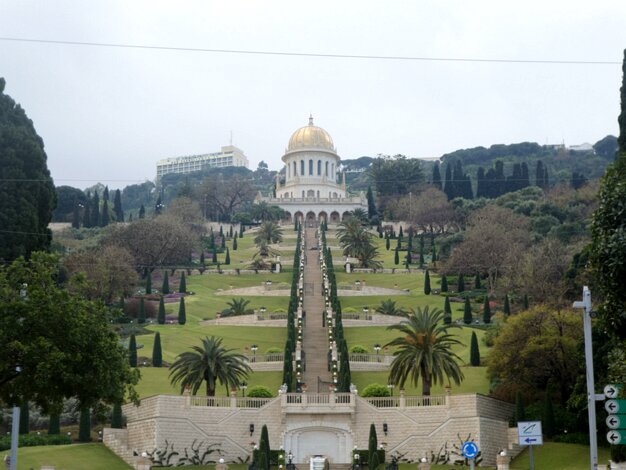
(377, 349)
(244, 387)
(254, 347)
(366, 311)
(390, 387)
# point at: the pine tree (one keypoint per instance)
(182, 314)
(437, 176)
(235, 244)
(227, 259)
(477, 281)
(507, 305)
(526, 303)
(117, 206)
(54, 424)
(427, 283)
(24, 418)
(467, 312)
(161, 315)
(486, 311)
(141, 316)
(116, 416)
(132, 350)
(474, 351)
(157, 354)
(84, 425)
(104, 218)
(447, 309)
(182, 287)
(461, 283)
(444, 283)
(396, 257)
(372, 447)
(520, 412)
(149, 283)
(165, 289)
(548, 421)
(142, 212)
(387, 242)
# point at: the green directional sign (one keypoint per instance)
(616, 421)
(616, 437)
(615, 406)
(612, 390)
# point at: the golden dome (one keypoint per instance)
(310, 136)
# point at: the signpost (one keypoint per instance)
(616, 420)
(529, 434)
(470, 452)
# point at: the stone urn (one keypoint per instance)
(617, 465)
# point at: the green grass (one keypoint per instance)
(553, 455)
(70, 457)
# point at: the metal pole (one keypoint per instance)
(15, 434)
(471, 462)
(532, 458)
(591, 389)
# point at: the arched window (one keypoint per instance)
(302, 173)
(310, 193)
(295, 169)
(310, 167)
(326, 168)
(303, 196)
(332, 172)
(318, 194)
(319, 168)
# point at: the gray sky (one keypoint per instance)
(108, 114)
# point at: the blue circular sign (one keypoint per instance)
(470, 450)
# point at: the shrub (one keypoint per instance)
(32, 440)
(274, 351)
(131, 308)
(259, 391)
(375, 390)
(356, 349)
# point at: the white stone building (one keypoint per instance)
(310, 190)
(228, 156)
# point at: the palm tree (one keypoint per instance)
(367, 257)
(361, 215)
(264, 249)
(388, 307)
(210, 363)
(270, 232)
(238, 306)
(424, 350)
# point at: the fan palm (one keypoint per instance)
(269, 232)
(367, 256)
(238, 306)
(353, 236)
(210, 363)
(424, 351)
(388, 307)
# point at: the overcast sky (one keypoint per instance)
(108, 114)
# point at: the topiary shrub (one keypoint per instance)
(375, 390)
(259, 391)
(356, 349)
(274, 351)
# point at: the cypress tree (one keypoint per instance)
(400, 235)
(76, 215)
(166, 284)
(264, 447)
(486, 311)
(449, 187)
(526, 303)
(375, 462)
(427, 283)
(183, 283)
(117, 206)
(433, 254)
(214, 255)
(141, 316)
(104, 218)
(288, 366)
(241, 229)
(461, 283)
(467, 312)
(105, 194)
(447, 318)
(211, 240)
(142, 212)
(182, 313)
(227, 259)
(387, 242)
(422, 260)
(132, 349)
(157, 353)
(520, 412)
(507, 305)
(230, 232)
(444, 283)
(54, 424)
(161, 316)
(87, 214)
(84, 425)
(24, 418)
(474, 351)
(221, 232)
(235, 244)
(149, 283)
(95, 210)
(116, 416)
(548, 422)
(399, 244)
(437, 176)
(396, 257)
(477, 281)
(371, 203)
(223, 243)
(372, 446)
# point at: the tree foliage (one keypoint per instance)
(27, 194)
(396, 175)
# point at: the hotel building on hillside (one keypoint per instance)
(229, 156)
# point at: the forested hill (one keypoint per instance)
(561, 161)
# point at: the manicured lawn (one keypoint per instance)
(71, 457)
(556, 456)
(155, 381)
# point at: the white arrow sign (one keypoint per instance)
(612, 406)
(611, 391)
(614, 437)
(613, 421)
